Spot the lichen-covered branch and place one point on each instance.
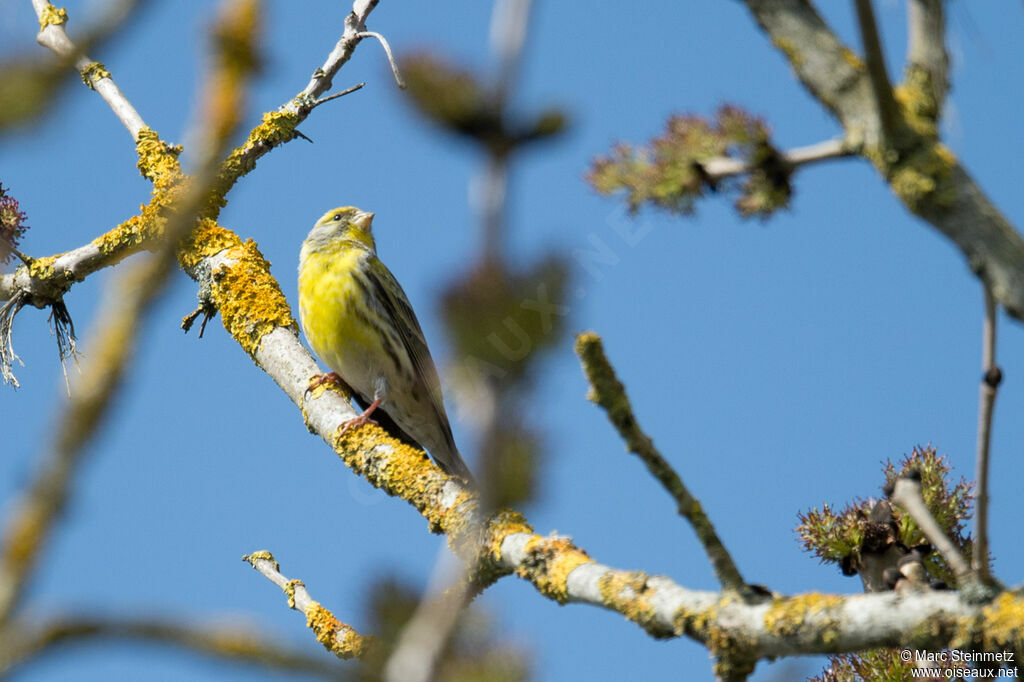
(123, 308)
(919, 169)
(30, 520)
(53, 36)
(257, 316)
(340, 639)
(926, 47)
(22, 642)
(607, 391)
(888, 115)
(49, 278)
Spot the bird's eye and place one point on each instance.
(337, 216)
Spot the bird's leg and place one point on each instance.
(328, 378)
(361, 419)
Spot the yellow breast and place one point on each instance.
(330, 304)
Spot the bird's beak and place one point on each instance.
(363, 220)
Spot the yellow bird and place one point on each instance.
(358, 320)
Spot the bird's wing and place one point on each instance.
(391, 295)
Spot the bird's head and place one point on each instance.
(346, 226)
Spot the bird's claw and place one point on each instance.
(321, 379)
(356, 422)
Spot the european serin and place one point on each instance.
(359, 322)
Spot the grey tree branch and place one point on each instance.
(922, 172)
(22, 642)
(399, 81)
(78, 263)
(121, 314)
(926, 45)
(340, 639)
(986, 404)
(54, 37)
(878, 75)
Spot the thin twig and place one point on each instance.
(888, 111)
(721, 167)
(22, 642)
(340, 639)
(387, 50)
(347, 91)
(986, 404)
(608, 392)
(907, 494)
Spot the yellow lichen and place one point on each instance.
(548, 564)
(788, 615)
(408, 468)
(627, 592)
(42, 268)
(504, 523)
(206, 240)
(289, 590)
(790, 50)
(250, 302)
(262, 555)
(158, 160)
(923, 180)
(52, 15)
(852, 59)
(696, 624)
(24, 533)
(275, 128)
(92, 72)
(999, 627)
(327, 629)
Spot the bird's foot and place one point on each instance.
(328, 378)
(356, 422)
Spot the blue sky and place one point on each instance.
(776, 365)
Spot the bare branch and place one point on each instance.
(53, 36)
(986, 404)
(722, 167)
(926, 45)
(424, 637)
(881, 86)
(828, 68)
(907, 494)
(608, 392)
(387, 50)
(23, 641)
(347, 91)
(340, 639)
(355, 23)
